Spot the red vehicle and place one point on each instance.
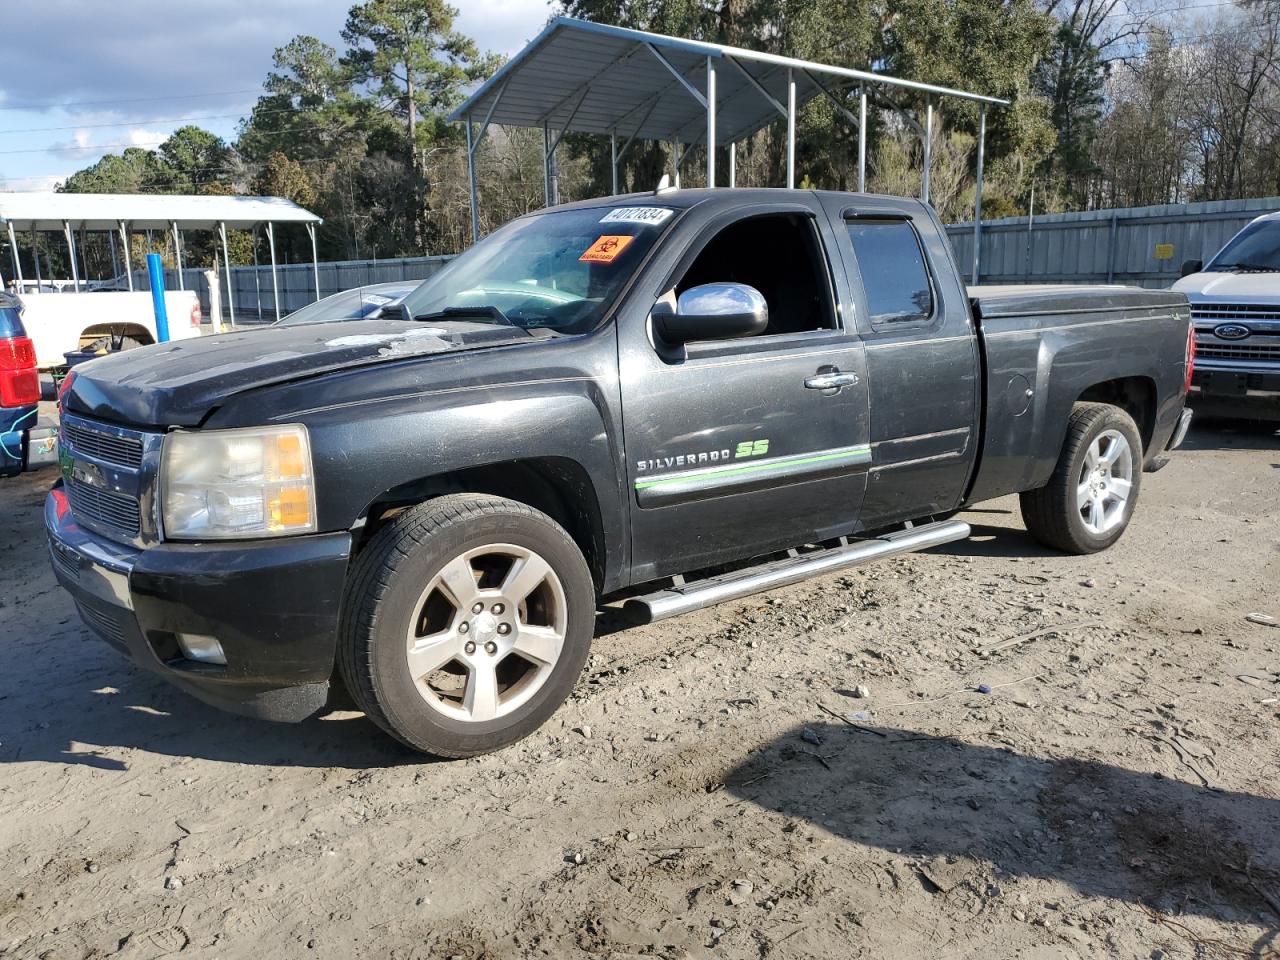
(19, 387)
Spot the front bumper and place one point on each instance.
(1220, 391)
(272, 604)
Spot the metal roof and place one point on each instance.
(152, 211)
(586, 77)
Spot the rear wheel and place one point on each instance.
(1089, 500)
(466, 623)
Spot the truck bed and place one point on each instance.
(1034, 300)
(1043, 346)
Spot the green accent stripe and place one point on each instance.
(857, 454)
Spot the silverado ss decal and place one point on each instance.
(747, 448)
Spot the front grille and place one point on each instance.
(66, 562)
(1226, 312)
(1217, 350)
(101, 445)
(105, 623)
(116, 510)
(108, 472)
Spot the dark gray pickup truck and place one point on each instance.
(679, 398)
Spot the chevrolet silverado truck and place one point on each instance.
(1235, 304)
(670, 399)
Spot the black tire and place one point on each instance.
(1051, 513)
(383, 597)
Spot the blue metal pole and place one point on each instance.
(155, 270)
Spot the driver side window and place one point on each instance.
(781, 255)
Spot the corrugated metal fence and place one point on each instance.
(254, 297)
(1143, 246)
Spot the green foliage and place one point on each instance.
(1071, 78)
(283, 177)
(134, 171)
(408, 54)
(191, 156)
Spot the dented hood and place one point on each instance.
(177, 384)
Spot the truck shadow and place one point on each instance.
(96, 723)
(987, 540)
(1213, 433)
(973, 816)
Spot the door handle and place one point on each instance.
(831, 381)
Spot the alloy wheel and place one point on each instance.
(487, 632)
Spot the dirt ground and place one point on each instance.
(715, 788)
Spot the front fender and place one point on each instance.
(383, 428)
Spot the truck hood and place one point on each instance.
(1237, 287)
(178, 384)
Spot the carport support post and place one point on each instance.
(546, 162)
(17, 263)
(257, 281)
(977, 194)
(733, 165)
(275, 281)
(315, 255)
(124, 245)
(471, 188)
(226, 263)
(862, 139)
(613, 162)
(928, 149)
(791, 129)
(177, 252)
(35, 257)
(71, 248)
(711, 123)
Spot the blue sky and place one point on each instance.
(81, 78)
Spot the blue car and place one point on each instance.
(19, 387)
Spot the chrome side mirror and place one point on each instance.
(714, 311)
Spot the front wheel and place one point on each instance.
(466, 623)
(1090, 498)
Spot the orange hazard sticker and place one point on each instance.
(606, 249)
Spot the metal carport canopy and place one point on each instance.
(120, 213)
(583, 77)
(105, 211)
(618, 77)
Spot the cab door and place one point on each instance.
(923, 376)
(740, 447)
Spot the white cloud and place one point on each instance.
(147, 52)
(150, 139)
(34, 184)
(502, 26)
(74, 148)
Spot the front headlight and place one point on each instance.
(236, 484)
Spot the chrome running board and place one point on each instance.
(687, 597)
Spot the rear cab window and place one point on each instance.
(895, 274)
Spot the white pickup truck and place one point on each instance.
(1235, 305)
(60, 323)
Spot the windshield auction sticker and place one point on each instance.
(606, 249)
(646, 215)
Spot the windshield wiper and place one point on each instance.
(454, 313)
(1262, 267)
